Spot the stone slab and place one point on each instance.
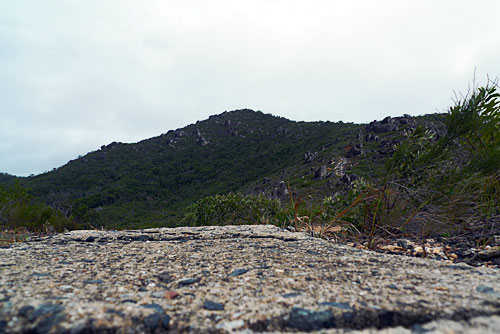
(246, 279)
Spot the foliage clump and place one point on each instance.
(19, 211)
(232, 209)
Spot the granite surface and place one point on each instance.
(246, 279)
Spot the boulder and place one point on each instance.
(321, 172)
(352, 151)
(381, 127)
(387, 120)
(199, 138)
(309, 156)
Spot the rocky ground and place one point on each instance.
(242, 279)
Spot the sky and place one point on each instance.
(75, 75)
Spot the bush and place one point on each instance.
(232, 209)
(18, 211)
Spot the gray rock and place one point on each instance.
(188, 281)
(307, 320)
(40, 274)
(93, 281)
(309, 157)
(403, 243)
(238, 272)
(426, 289)
(25, 310)
(165, 321)
(485, 289)
(213, 306)
(44, 309)
(379, 127)
(488, 254)
(349, 178)
(200, 140)
(342, 306)
(321, 172)
(387, 120)
(165, 277)
(46, 324)
(152, 321)
(352, 152)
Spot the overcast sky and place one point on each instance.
(75, 75)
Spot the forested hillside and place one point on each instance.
(151, 182)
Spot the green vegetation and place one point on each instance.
(433, 184)
(19, 211)
(151, 183)
(426, 175)
(232, 209)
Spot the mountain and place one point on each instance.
(151, 182)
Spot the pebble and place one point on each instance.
(93, 281)
(158, 294)
(171, 295)
(132, 301)
(165, 277)
(152, 321)
(307, 320)
(489, 254)
(189, 281)
(40, 275)
(485, 289)
(238, 272)
(87, 261)
(403, 243)
(213, 306)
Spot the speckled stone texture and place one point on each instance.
(245, 279)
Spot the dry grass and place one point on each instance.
(8, 237)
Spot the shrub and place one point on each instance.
(19, 211)
(232, 209)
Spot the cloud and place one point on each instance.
(79, 74)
